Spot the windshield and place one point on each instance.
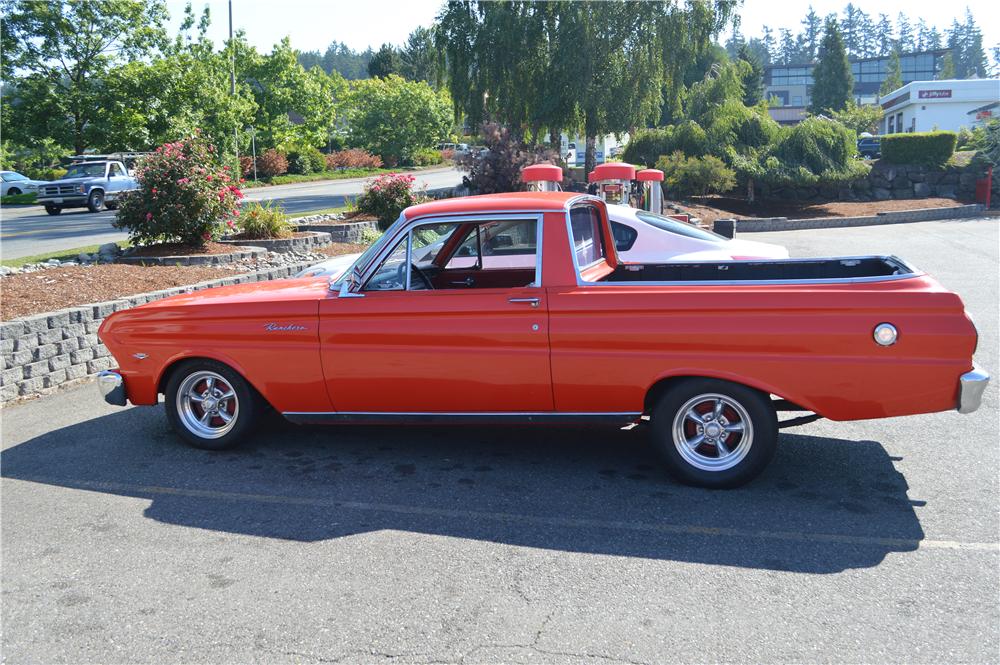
(680, 228)
(367, 255)
(85, 171)
(12, 177)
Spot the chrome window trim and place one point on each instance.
(410, 224)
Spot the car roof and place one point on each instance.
(508, 202)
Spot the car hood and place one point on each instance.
(278, 290)
(740, 248)
(73, 181)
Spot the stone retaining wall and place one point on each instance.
(283, 245)
(892, 181)
(900, 217)
(238, 254)
(40, 353)
(348, 232)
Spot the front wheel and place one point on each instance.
(713, 433)
(53, 210)
(210, 405)
(13, 191)
(95, 201)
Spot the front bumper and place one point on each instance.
(971, 386)
(112, 387)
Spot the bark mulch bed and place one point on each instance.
(710, 208)
(24, 294)
(339, 248)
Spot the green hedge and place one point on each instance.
(928, 148)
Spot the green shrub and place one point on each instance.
(690, 138)
(45, 173)
(386, 196)
(427, 157)
(695, 176)
(646, 146)
(262, 222)
(927, 148)
(369, 236)
(18, 199)
(741, 129)
(184, 195)
(817, 144)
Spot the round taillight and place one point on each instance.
(885, 334)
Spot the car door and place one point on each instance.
(117, 179)
(435, 330)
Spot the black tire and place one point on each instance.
(13, 191)
(218, 434)
(95, 201)
(744, 453)
(53, 210)
(111, 205)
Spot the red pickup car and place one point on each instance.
(523, 313)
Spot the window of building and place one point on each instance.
(891, 127)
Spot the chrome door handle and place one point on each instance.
(531, 301)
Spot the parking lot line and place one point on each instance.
(539, 520)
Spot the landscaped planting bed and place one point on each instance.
(58, 288)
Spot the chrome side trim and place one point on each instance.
(971, 386)
(112, 387)
(463, 418)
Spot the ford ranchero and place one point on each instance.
(524, 314)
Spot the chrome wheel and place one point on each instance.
(207, 404)
(712, 432)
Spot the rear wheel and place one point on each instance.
(210, 405)
(714, 433)
(95, 201)
(53, 210)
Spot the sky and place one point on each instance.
(313, 24)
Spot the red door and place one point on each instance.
(480, 350)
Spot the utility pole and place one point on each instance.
(232, 86)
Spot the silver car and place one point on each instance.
(13, 183)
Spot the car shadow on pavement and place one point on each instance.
(824, 505)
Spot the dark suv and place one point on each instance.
(870, 147)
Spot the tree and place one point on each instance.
(419, 59)
(850, 28)
(893, 75)
(788, 53)
(904, 34)
(767, 40)
(393, 118)
(753, 78)
(860, 118)
(832, 79)
(294, 106)
(947, 67)
(812, 29)
(883, 36)
(385, 62)
(65, 50)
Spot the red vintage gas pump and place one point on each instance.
(651, 190)
(614, 182)
(542, 177)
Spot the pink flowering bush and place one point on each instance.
(184, 196)
(386, 196)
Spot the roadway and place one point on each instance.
(28, 230)
(871, 541)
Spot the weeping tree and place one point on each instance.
(604, 66)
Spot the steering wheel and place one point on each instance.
(401, 276)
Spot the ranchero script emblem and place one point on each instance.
(277, 327)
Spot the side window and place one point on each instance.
(588, 244)
(391, 275)
(113, 171)
(509, 244)
(624, 236)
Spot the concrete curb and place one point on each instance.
(42, 353)
(898, 217)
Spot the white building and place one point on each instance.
(924, 106)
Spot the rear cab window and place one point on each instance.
(590, 253)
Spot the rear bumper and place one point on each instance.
(971, 386)
(112, 387)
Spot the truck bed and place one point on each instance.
(853, 268)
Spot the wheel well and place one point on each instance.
(663, 385)
(169, 370)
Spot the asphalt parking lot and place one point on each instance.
(871, 541)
